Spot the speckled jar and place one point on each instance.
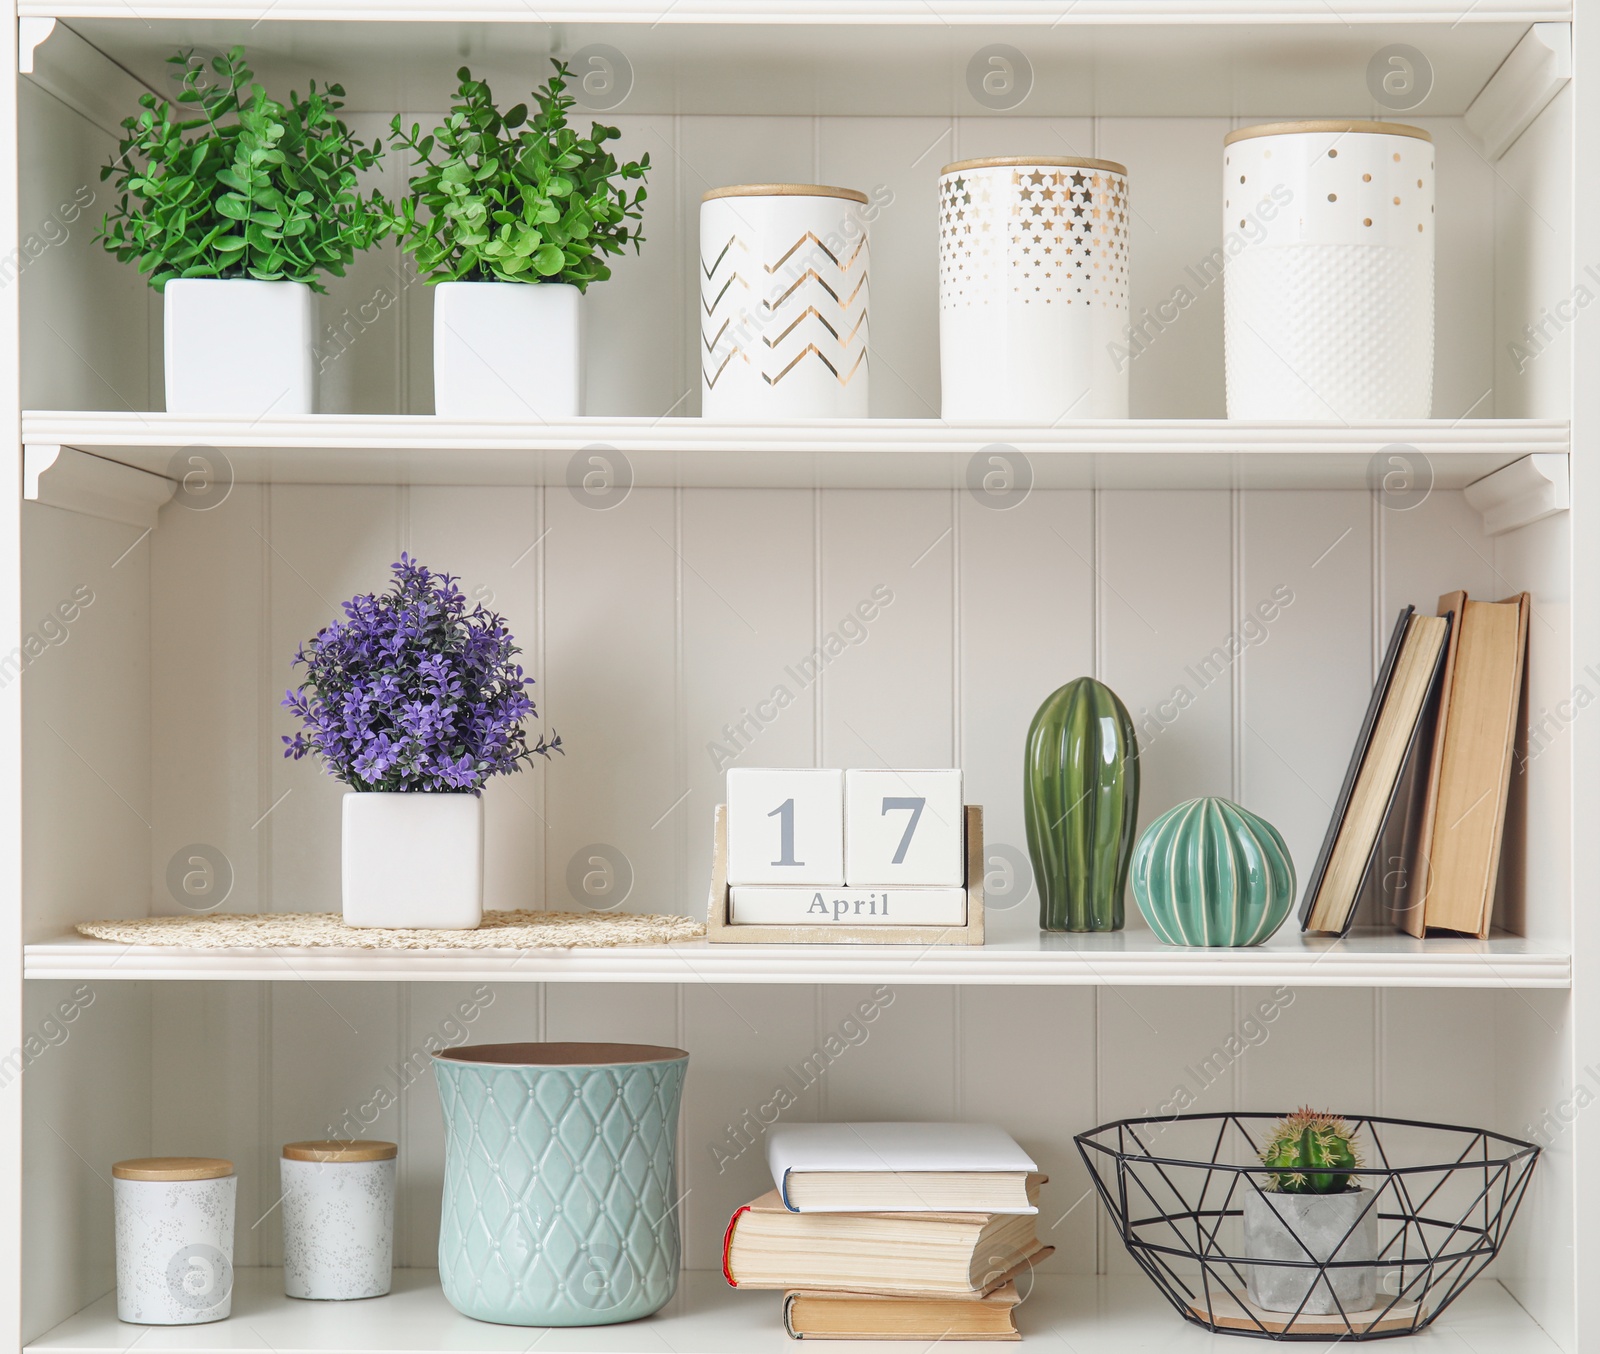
(1328, 261)
(338, 1219)
(174, 1225)
(560, 1181)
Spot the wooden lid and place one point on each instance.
(334, 1149)
(173, 1168)
(1044, 161)
(783, 190)
(1329, 125)
(561, 1055)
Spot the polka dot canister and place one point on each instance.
(1328, 263)
(1033, 289)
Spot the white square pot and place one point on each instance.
(237, 346)
(413, 860)
(507, 350)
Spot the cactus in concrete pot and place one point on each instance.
(1311, 1220)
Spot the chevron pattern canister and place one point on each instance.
(783, 302)
(560, 1181)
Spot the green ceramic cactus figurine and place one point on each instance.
(1313, 1154)
(1081, 803)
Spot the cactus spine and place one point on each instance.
(1081, 803)
(1312, 1153)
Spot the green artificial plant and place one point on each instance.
(1312, 1153)
(233, 184)
(517, 196)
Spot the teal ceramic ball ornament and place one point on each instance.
(1211, 873)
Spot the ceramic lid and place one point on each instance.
(173, 1168)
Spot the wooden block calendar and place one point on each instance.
(721, 929)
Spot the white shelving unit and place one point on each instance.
(1108, 1316)
(660, 621)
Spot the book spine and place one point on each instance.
(727, 1244)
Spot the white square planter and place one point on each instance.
(237, 346)
(413, 860)
(507, 350)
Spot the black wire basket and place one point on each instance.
(1196, 1209)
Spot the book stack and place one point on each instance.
(1421, 814)
(891, 1231)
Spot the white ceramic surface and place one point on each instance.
(508, 350)
(413, 860)
(338, 1228)
(1033, 291)
(783, 307)
(1328, 240)
(237, 346)
(174, 1250)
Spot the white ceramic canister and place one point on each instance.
(1327, 256)
(783, 302)
(338, 1219)
(174, 1225)
(1033, 289)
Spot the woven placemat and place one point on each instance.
(323, 930)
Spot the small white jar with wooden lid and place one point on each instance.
(338, 1219)
(174, 1226)
(783, 302)
(1328, 258)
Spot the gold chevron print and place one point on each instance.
(722, 254)
(717, 299)
(812, 350)
(711, 381)
(811, 275)
(812, 310)
(789, 253)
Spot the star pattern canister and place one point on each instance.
(1033, 289)
(1328, 271)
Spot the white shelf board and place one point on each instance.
(1124, 958)
(865, 453)
(1268, 59)
(1084, 1315)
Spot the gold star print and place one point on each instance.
(1078, 179)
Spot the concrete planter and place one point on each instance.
(1285, 1227)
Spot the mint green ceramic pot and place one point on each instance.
(560, 1181)
(1211, 873)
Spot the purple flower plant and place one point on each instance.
(414, 692)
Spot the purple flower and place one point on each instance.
(411, 691)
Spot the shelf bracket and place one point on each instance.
(1525, 491)
(1537, 69)
(30, 34)
(64, 477)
